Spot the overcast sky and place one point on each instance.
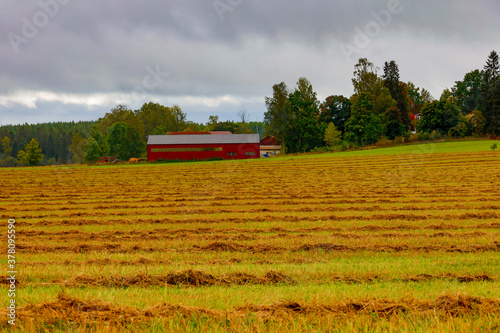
(65, 60)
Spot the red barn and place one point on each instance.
(203, 146)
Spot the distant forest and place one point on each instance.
(121, 133)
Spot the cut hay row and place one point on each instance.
(191, 278)
(263, 248)
(69, 309)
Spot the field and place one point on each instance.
(401, 241)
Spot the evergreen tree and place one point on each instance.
(491, 91)
(397, 90)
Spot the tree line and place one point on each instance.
(121, 133)
(383, 107)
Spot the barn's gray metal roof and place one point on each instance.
(200, 139)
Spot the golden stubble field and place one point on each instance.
(379, 243)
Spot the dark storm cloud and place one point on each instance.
(236, 48)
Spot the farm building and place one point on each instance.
(269, 146)
(203, 146)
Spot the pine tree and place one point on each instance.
(397, 89)
(491, 92)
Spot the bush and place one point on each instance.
(411, 138)
(384, 143)
(399, 140)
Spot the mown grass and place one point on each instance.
(405, 223)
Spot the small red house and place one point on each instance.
(203, 146)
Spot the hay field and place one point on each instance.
(350, 243)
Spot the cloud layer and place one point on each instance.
(72, 60)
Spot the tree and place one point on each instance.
(332, 135)
(366, 79)
(31, 155)
(160, 130)
(446, 96)
(7, 149)
(77, 148)
(439, 116)
(364, 127)
(305, 131)
(398, 90)
(491, 93)
(384, 101)
(152, 115)
(92, 151)
(393, 125)
(117, 136)
(278, 115)
(124, 141)
(336, 110)
(468, 93)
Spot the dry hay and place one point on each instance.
(185, 278)
(70, 309)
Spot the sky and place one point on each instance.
(72, 60)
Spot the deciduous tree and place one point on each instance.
(31, 155)
(364, 127)
(7, 149)
(337, 110)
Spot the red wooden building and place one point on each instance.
(203, 146)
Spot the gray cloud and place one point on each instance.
(105, 48)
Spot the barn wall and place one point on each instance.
(189, 152)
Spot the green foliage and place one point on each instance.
(417, 96)
(438, 116)
(124, 141)
(332, 135)
(32, 154)
(393, 125)
(366, 79)
(337, 110)
(7, 149)
(468, 93)
(446, 95)
(92, 151)
(384, 101)
(364, 127)
(8, 161)
(279, 114)
(152, 115)
(494, 146)
(305, 132)
(77, 148)
(160, 130)
(398, 90)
